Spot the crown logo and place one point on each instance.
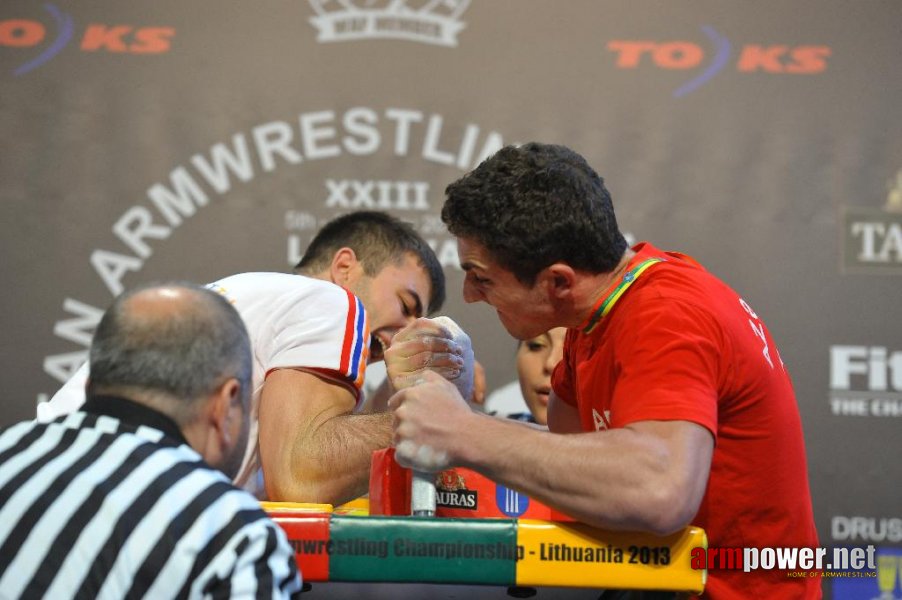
(427, 21)
(450, 481)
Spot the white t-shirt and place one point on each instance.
(293, 322)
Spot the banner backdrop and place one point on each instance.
(169, 139)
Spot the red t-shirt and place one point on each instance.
(679, 344)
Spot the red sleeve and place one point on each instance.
(668, 354)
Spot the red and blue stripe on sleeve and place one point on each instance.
(355, 345)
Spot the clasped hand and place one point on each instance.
(431, 372)
(422, 345)
(427, 419)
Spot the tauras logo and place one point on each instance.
(427, 21)
(451, 491)
(872, 238)
(456, 499)
(865, 381)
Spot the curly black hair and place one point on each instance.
(534, 205)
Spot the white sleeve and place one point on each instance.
(325, 330)
(67, 400)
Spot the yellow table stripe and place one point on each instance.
(576, 555)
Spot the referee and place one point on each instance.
(131, 496)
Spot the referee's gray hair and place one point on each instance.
(173, 357)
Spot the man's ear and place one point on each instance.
(223, 409)
(558, 279)
(344, 267)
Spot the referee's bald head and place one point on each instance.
(169, 345)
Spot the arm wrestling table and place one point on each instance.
(374, 540)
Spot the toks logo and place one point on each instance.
(96, 37)
(752, 58)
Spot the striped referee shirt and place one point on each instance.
(111, 502)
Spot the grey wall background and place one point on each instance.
(165, 139)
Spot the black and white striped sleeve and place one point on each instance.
(238, 553)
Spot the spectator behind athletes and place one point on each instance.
(364, 276)
(536, 359)
(661, 360)
(527, 398)
(125, 497)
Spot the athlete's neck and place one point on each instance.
(596, 286)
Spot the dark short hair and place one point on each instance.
(378, 239)
(533, 205)
(181, 356)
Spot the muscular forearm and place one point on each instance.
(331, 462)
(648, 476)
(617, 479)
